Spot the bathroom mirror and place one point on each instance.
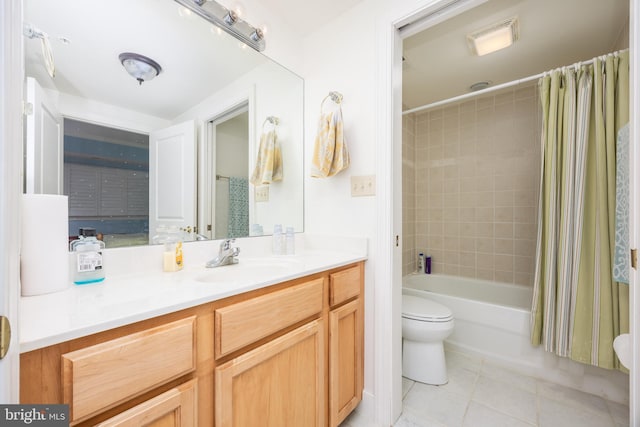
(198, 122)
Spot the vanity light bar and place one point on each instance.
(227, 20)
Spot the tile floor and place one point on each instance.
(480, 394)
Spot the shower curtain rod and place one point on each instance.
(501, 86)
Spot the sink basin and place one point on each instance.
(248, 270)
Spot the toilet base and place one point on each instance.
(424, 362)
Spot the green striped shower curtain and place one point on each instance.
(577, 308)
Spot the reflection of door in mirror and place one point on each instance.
(43, 143)
(106, 176)
(230, 133)
(172, 178)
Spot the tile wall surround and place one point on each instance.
(470, 186)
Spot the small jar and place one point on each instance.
(89, 262)
(172, 254)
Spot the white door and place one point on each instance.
(44, 143)
(172, 177)
(11, 96)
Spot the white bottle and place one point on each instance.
(276, 245)
(420, 262)
(290, 241)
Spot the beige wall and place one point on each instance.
(472, 201)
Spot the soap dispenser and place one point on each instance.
(89, 263)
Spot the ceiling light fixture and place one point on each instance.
(257, 35)
(227, 20)
(494, 37)
(230, 18)
(139, 67)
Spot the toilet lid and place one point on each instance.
(423, 309)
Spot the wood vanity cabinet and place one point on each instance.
(346, 342)
(173, 408)
(280, 383)
(290, 354)
(157, 372)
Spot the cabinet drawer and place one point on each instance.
(344, 285)
(176, 407)
(101, 376)
(243, 323)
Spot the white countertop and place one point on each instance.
(136, 289)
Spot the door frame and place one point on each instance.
(634, 208)
(388, 267)
(211, 171)
(11, 146)
(207, 153)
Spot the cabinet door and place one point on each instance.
(345, 360)
(173, 408)
(280, 383)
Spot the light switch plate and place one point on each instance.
(364, 185)
(262, 193)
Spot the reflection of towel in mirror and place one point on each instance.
(268, 167)
(330, 154)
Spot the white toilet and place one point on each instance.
(425, 325)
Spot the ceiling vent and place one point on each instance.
(494, 37)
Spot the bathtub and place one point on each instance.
(492, 322)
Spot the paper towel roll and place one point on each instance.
(44, 259)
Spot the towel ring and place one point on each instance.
(271, 119)
(335, 97)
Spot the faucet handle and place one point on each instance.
(226, 244)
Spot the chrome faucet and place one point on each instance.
(226, 255)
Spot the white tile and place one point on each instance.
(497, 373)
(554, 414)
(435, 403)
(462, 381)
(481, 416)
(506, 398)
(572, 397)
(619, 412)
(356, 419)
(456, 360)
(406, 386)
(410, 419)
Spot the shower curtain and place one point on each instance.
(578, 309)
(238, 225)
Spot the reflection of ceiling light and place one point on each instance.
(140, 67)
(230, 21)
(493, 38)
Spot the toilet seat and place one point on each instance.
(424, 310)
